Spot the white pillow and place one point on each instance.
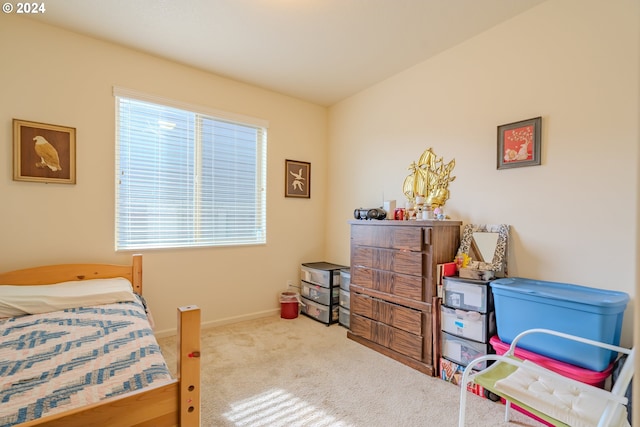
(19, 300)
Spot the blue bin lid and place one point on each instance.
(562, 292)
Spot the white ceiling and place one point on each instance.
(321, 51)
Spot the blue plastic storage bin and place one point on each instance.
(597, 314)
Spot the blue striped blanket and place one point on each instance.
(53, 362)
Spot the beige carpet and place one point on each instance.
(298, 372)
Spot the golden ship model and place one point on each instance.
(429, 180)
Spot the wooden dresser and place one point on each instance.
(394, 305)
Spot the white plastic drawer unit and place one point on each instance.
(467, 294)
(345, 299)
(319, 311)
(463, 351)
(468, 324)
(344, 317)
(321, 273)
(345, 279)
(319, 294)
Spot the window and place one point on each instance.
(186, 177)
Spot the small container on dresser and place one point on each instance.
(467, 319)
(320, 290)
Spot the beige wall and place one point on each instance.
(54, 76)
(574, 218)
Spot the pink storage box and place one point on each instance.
(594, 378)
(586, 376)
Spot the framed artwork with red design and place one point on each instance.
(519, 143)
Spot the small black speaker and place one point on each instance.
(374, 213)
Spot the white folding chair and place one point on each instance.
(557, 399)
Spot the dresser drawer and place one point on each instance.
(395, 339)
(404, 262)
(395, 315)
(405, 238)
(361, 326)
(401, 285)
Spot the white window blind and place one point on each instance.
(187, 178)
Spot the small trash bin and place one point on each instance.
(289, 305)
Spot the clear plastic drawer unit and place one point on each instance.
(467, 294)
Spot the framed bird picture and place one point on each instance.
(297, 180)
(44, 152)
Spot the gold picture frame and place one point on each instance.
(43, 152)
(297, 179)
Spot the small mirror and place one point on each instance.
(483, 246)
(486, 245)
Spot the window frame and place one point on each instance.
(198, 212)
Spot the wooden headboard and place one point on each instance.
(50, 274)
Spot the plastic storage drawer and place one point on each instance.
(468, 324)
(319, 294)
(344, 316)
(467, 294)
(345, 279)
(321, 273)
(319, 311)
(463, 351)
(345, 299)
(592, 313)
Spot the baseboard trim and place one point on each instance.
(221, 322)
(242, 318)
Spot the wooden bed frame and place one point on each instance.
(173, 404)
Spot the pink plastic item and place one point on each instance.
(586, 376)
